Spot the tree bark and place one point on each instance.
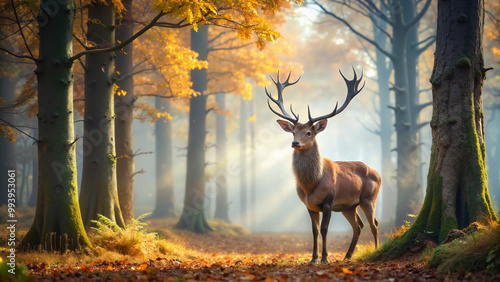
(98, 193)
(193, 212)
(221, 204)
(58, 224)
(165, 205)
(457, 193)
(124, 108)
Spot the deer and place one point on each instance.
(324, 185)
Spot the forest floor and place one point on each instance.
(233, 257)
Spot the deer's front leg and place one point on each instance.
(315, 225)
(327, 212)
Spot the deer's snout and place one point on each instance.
(295, 144)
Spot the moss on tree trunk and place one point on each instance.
(58, 224)
(457, 192)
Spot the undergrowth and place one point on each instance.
(133, 240)
(369, 253)
(477, 251)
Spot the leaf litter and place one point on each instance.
(253, 257)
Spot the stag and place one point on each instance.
(323, 185)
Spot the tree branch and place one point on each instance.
(20, 29)
(419, 16)
(427, 45)
(121, 45)
(355, 31)
(16, 128)
(19, 56)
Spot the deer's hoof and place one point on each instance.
(324, 260)
(314, 261)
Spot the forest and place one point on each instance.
(152, 140)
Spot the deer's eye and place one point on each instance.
(308, 133)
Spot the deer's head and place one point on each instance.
(304, 134)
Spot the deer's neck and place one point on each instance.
(308, 168)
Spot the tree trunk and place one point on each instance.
(193, 212)
(98, 192)
(253, 169)
(243, 164)
(221, 204)
(7, 149)
(165, 205)
(58, 224)
(412, 54)
(457, 193)
(124, 108)
(34, 181)
(408, 159)
(386, 130)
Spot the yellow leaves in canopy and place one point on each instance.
(8, 132)
(163, 115)
(5, 129)
(243, 16)
(170, 61)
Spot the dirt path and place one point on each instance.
(266, 257)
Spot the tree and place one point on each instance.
(457, 192)
(193, 212)
(57, 224)
(7, 137)
(99, 193)
(221, 202)
(165, 204)
(124, 107)
(243, 163)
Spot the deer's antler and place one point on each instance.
(352, 91)
(279, 102)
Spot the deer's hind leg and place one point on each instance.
(357, 224)
(369, 209)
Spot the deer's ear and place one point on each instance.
(320, 125)
(287, 126)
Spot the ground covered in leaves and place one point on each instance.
(233, 256)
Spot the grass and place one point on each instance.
(477, 251)
(368, 252)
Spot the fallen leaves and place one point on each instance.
(269, 266)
